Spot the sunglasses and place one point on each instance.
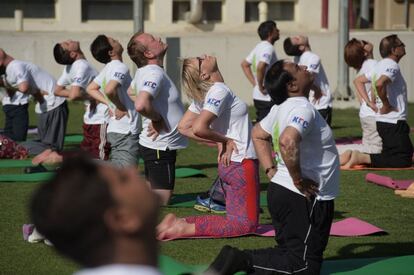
(200, 60)
(400, 45)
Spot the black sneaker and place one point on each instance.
(229, 261)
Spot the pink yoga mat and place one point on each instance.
(388, 182)
(349, 227)
(353, 227)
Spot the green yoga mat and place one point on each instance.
(379, 266)
(188, 172)
(15, 163)
(188, 200)
(73, 138)
(35, 177)
(179, 173)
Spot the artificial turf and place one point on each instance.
(369, 202)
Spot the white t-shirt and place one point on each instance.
(367, 66)
(396, 90)
(263, 52)
(81, 73)
(232, 118)
(119, 269)
(118, 71)
(319, 159)
(17, 99)
(314, 65)
(20, 71)
(166, 101)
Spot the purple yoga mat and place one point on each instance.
(349, 227)
(388, 182)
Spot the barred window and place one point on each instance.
(30, 8)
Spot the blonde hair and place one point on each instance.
(194, 87)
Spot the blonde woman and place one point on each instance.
(218, 115)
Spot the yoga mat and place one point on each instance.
(26, 177)
(402, 265)
(348, 140)
(15, 163)
(388, 182)
(73, 138)
(365, 167)
(188, 172)
(352, 227)
(179, 173)
(188, 200)
(349, 227)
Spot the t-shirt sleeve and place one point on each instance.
(265, 55)
(150, 82)
(64, 79)
(313, 64)
(195, 107)
(81, 77)
(301, 119)
(99, 78)
(216, 100)
(268, 122)
(20, 75)
(390, 70)
(250, 57)
(119, 74)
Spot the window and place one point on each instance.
(30, 8)
(212, 11)
(277, 10)
(110, 10)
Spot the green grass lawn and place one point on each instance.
(371, 203)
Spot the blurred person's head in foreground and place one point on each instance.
(97, 214)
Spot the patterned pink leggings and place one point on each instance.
(242, 202)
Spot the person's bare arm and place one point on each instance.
(263, 146)
(260, 75)
(381, 87)
(359, 83)
(185, 127)
(111, 90)
(289, 143)
(71, 93)
(201, 128)
(93, 91)
(246, 67)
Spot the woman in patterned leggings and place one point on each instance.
(218, 115)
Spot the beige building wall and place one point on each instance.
(390, 15)
(229, 49)
(68, 18)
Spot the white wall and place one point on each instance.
(229, 48)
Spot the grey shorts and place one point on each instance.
(124, 149)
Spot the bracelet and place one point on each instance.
(270, 168)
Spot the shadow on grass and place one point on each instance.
(363, 258)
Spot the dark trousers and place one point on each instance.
(262, 108)
(326, 114)
(397, 149)
(16, 121)
(52, 129)
(302, 232)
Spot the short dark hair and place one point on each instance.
(100, 48)
(265, 29)
(354, 54)
(290, 48)
(276, 81)
(61, 55)
(387, 44)
(69, 211)
(136, 51)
